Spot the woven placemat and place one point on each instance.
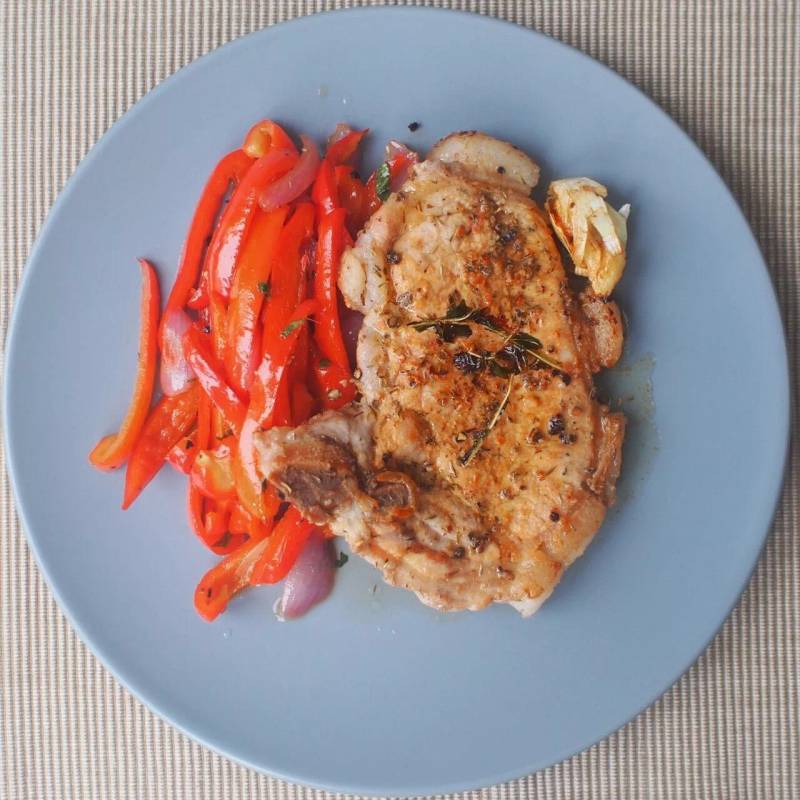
(728, 73)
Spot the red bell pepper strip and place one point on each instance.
(324, 192)
(263, 396)
(264, 136)
(215, 523)
(242, 522)
(221, 539)
(222, 582)
(218, 325)
(171, 419)
(230, 170)
(239, 521)
(352, 194)
(196, 508)
(282, 416)
(112, 451)
(212, 472)
(344, 151)
(250, 287)
(334, 386)
(209, 371)
(285, 283)
(302, 403)
(182, 455)
(226, 243)
(283, 547)
(249, 489)
(274, 363)
(397, 166)
(298, 368)
(211, 524)
(219, 427)
(202, 435)
(330, 245)
(198, 298)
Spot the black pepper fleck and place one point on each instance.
(506, 234)
(478, 542)
(555, 424)
(392, 257)
(189, 444)
(501, 170)
(414, 126)
(555, 516)
(459, 552)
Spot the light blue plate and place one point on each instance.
(373, 692)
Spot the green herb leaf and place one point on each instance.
(264, 287)
(485, 321)
(525, 341)
(459, 312)
(449, 332)
(498, 370)
(383, 182)
(341, 560)
(292, 326)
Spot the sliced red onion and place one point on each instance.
(339, 132)
(175, 370)
(295, 181)
(310, 580)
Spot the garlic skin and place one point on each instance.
(594, 233)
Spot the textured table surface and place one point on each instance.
(728, 72)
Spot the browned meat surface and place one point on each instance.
(465, 476)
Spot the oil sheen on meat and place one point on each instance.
(391, 473)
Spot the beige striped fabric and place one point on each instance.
(727, 71)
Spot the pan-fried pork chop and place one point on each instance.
(477, 464)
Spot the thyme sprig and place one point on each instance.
(478, 437)
(453, 325)
(511, 359)
(519, 350)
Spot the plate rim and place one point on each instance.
(410, 789)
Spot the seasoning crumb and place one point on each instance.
(414, 126)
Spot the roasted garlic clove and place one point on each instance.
(592, 231)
